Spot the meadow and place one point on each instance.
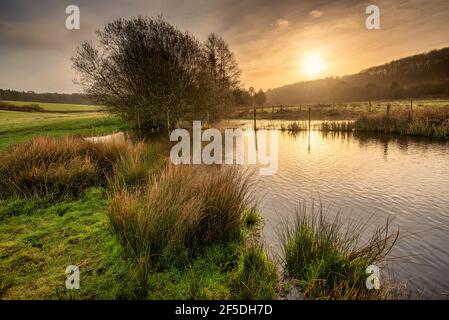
(336, 111)
(16, 127)
(54, 106)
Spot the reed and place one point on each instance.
(432, 123)
(179, 212)
(327, 257)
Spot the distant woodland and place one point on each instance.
(419, 76)
(75, 98)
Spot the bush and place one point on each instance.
(326, 257)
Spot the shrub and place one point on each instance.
(326, 257)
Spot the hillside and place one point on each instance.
(418, 76)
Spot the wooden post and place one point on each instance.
(388, 110)
(255, 123)
(310, 118)
(411, 105)
(369, 106)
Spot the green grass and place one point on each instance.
(37, 244)
(18, 127)
(196, 221)
(55, 106)
(38, 240)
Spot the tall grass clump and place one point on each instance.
(256, 276)
(337, 126)
(327, 257)
(134, 166)
(427, 122)
(179, 212)
(57, 167)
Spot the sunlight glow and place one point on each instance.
(313, 64)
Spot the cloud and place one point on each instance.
(281, 23)
(316, 14)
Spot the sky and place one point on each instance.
(275, 42)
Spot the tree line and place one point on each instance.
(31, 96)
(151, 74)
(419, 76)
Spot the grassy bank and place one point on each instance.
(135, 229)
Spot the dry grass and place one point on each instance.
(178, 213)
(57, 167)
(433, 123)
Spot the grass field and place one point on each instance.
(55, 106)
(17, 127)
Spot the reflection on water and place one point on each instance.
(369, 177)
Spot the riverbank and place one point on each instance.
(68, 210)
(125, 217)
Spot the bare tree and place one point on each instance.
(145, 70)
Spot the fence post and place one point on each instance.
(255, 124)
(388, 110)
(310, 118)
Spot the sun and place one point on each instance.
(313, 65)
